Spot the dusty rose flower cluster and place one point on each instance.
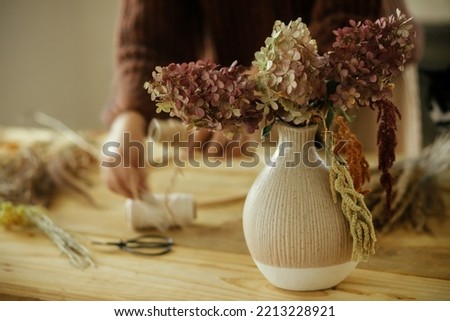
(366, 56)
(296, 85)
(206, 96)
(292, 81)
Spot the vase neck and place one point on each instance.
(297, 135)
(298, 143)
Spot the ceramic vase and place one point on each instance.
(297, 236)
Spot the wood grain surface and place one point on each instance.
(210, 260)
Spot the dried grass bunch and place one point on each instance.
(29, 177)
(31, 173)
(420, 192)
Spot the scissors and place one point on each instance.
(148, 244)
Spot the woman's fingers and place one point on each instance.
(130, 182)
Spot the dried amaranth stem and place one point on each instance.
(355, 211)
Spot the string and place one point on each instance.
(170, 215)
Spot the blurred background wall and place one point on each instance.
(56, 55)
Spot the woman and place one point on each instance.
(155, 32)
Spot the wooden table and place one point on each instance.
(210, 260)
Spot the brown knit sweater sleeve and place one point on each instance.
(149, 33)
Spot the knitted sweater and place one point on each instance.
(154, 33)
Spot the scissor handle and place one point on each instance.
(148, 244)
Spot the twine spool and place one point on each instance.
(165, 130)
(162, 211)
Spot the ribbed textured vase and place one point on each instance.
(296, 235)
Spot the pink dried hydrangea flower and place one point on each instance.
(292, 82)
(204, 96)
(296, 85)
(366, 57)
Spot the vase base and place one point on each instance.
(308, 279)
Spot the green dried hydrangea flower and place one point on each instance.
(288, 72)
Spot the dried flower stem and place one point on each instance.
(66, 132)
(355, 211)
(387, 141)
(35, 215)
(420, 191)
(356, 162)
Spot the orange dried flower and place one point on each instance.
(356, 162)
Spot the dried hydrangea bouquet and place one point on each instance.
(305, 222)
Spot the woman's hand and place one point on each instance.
(123, 156)
(124, 159)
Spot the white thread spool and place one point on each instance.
(165, 130)
(161, 211)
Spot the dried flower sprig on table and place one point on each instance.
(24, 215)
(296, 85)
(24, 175)
(30, 173)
